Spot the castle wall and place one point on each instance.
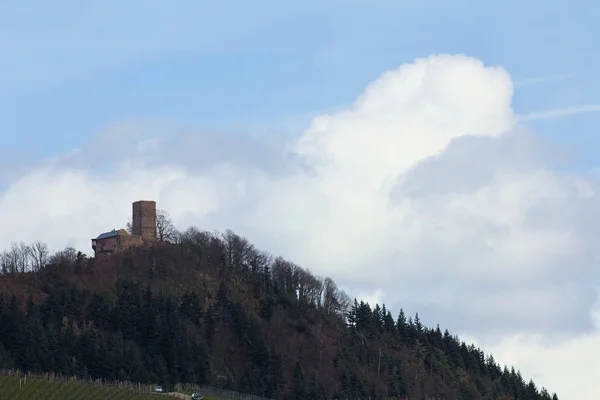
(144, 220)
(110, 244)
(127, 241)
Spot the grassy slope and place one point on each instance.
(13, 387)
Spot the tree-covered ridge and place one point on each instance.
(210, 308)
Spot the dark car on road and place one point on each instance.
(197, 396)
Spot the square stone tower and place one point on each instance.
(144, 220)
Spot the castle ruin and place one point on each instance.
(143, 231)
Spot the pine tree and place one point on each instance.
(377, 319)
(418, 325)
(209, 324)
(298, 386)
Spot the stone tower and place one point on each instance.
(144, 220)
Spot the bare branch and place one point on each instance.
(68, 256)
(165, 229)
(39, 254)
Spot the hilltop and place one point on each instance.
(210, 308)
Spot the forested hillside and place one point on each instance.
(212, 309)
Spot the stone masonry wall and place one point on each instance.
(144, 220)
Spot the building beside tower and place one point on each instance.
(143, 231)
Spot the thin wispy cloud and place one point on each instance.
(542, 79)
(560, 112)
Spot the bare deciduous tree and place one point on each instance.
(165, 228)
(195, 237)
(19, 257)
(309, 287)
(344, 302)
(259, 260)
(9, 265)
(319, 333)
(39, 254)
(68, 256)
(239, 250)
(6, 266)
(330, 292)
(334, 300)
(129, 226)
(282, 273)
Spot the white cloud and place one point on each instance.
(569, 367)
(425, 193)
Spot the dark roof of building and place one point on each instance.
(106, 235)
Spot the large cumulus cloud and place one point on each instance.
(424, 193)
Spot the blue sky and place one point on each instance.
(69, 69)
